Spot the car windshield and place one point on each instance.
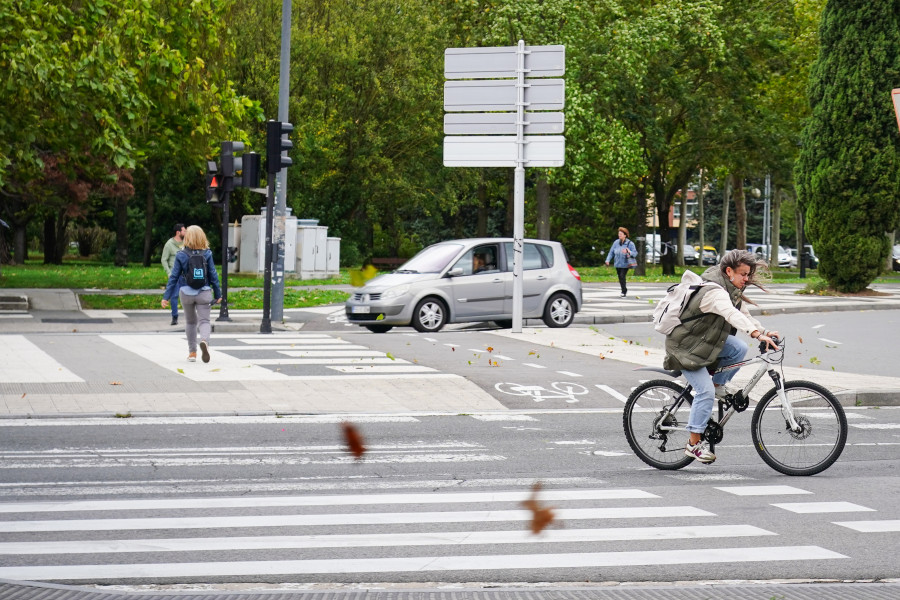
(432, 259)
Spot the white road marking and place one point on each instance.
(827, 341)
(876, 425)
(388, 369)
(569, 374)
(307, 346)
(614, 393)
(331, 500)
(888, 526)
(822, 507)
(763, 490)
(378, 540)
(233, 521)
(207, 420)
(503, 417)
(23, 362)
(421, 563)
(535, 366)
(364, 360)
(331, 353)
(306, 338)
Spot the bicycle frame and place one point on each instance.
(735, 403)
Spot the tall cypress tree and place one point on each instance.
(848, 169)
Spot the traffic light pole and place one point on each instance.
(266, 324)
(223, 308)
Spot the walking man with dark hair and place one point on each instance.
(173, 245)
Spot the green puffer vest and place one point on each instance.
(698, 342)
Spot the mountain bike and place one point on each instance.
(798, 427)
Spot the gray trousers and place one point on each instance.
(196, 314)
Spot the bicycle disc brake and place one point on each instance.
(805, 428)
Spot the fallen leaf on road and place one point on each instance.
(115, 383)
(353, 439)
(541, 515)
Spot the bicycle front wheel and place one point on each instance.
(654, 429)
(820, 439)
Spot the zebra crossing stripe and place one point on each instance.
(327, 500)
(822, 507)
(379, 540)
(887, 526)
(421, 563)
(234, 522)
(21, 361)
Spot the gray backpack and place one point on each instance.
(667, 314)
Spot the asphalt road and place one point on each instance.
(268, 499)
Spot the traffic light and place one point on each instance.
(251, 163)
(275, 145)
(231, 164)
(213, 182)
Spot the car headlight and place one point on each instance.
(395, 292)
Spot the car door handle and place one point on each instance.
(497, 280)
(541, 278)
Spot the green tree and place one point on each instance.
(848, 172)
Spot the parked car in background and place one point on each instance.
(783, 257)
(710, 255)
(896, 257)
(794, 257)
(469, 280)
(812, 259)
(691, 257)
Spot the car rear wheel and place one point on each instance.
(560, 311)
(379, 328)
(430, 315)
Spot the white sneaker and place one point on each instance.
(725, 390)
(700, 452)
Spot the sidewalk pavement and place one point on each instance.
(55, 311)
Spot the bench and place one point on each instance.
(389, 263)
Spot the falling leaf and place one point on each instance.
(800, 338)
(541, 516)
(602, 357)
(390, 356)
(379, 318)
(180, 371)
(23, 395)
(490, 349)
(115, 383)
(469, 361)
(353, 440)
(217, 370)
(815, 361)
(452, 349)
(646, 353)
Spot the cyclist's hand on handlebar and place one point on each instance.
(768, 341)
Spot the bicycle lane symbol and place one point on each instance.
(558, 390)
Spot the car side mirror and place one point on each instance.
(455, 272)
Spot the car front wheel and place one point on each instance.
(430, 315)
(559, 312)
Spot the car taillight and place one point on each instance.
(574, 272)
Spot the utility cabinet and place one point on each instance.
(312, 251)
(333, 256)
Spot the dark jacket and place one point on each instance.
(180, 266)
(697, 342)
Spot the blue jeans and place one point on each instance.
(175, 300)
(703, 383)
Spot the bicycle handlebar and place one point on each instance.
(777, 341)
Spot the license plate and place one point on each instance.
(360, 309)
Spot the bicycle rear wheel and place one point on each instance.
(822, 435)
(657, 436)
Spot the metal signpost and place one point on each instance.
(487, 124)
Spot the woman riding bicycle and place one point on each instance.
(705, 340)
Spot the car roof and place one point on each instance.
(492, 240)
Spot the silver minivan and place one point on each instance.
(469, 280)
